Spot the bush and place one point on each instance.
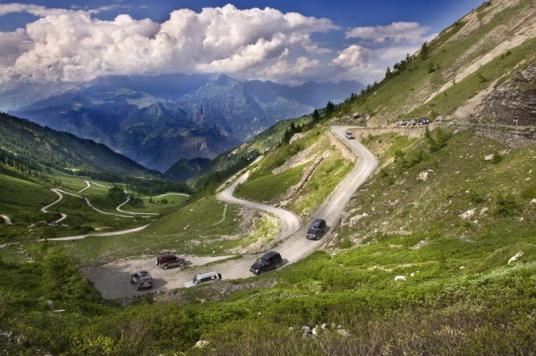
(506, 206)
(116, 195)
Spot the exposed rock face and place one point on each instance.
(512, 102)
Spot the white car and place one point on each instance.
(203, 278)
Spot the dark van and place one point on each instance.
(267, 262)
(317, 229)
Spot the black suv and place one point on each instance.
(268, 261)
(167, 261)
(317, 229)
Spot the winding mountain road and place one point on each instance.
(113, 282)
(118, 208)
(63, 216)
(290, 223)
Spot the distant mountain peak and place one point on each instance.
(225, 80)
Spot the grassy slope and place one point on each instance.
(459, 179)
(270, 187)
(23, 197)
(462, 297)
(452, 98)
(263, 185)
(486, 307)
(61, 151)
(329, 173)
(197, 228)
(404, 94)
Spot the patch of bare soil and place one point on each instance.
(304, 156)
(113, 279)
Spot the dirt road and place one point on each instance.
(110, 279)
(289, 221)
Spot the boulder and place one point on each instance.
(343, 332)
(201, 344)
(515, 257)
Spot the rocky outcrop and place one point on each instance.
(513, 102)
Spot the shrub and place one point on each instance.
(506, 206)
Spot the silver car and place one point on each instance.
(203, 278)
(142, 280)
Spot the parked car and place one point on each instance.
(203, 278)
(317, 229)
(266, 262)
(169, 261)
(349, 135)
(142, 280)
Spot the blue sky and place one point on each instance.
(332, 39)
(434, 13)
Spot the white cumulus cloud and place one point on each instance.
(75, 45)
(395, 32)
(69, 45)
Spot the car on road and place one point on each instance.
(267, 262)
(170, 261)
(317, 229)
(203, 278)
(349, 135)
(142, 280)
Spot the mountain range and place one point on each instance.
(158, 120)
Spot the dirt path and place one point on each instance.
(112, 280)
(289, 221)
(97, 234)
(168, 194)
(222, 218)
(131, 212)
(88, 185)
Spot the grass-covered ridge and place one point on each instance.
(405, 90)
(311, 157)
(429, 187)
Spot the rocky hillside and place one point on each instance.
(493, 47)
(511, 102)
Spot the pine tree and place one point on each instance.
(316, 116)
(424, 50)
(330, 108)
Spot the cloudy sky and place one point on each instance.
(288, 41)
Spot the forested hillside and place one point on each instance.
(40, 148)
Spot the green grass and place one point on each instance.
(385, 146)
(321, 184)
(458, 180)
(156, 204)
(21, 200)
(81, 219)
(459, 93)
(459, 296)
(270, 187)
(407, 91)
(191, 229)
